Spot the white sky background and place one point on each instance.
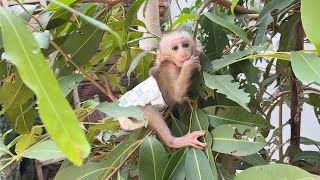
(309, 126)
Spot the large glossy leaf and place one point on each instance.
(115, 156)
(224, 85)
(234, 28)
(216, 40)
(254, 159)
(22, 118)
(197, 166)
(229, 59)
(175, 167)
(200, 122)
(69, 83)
(152, 159)
(113, 110)
(309, 11)
(274, 171)
(308, 141)
(219, 115)
(274, 5)
(43, 151)
(237, 140)
(82, 44)
(19, 93)
(54, 109)
(306, 66)
(88, 171)
(308, 156)
(90, 20)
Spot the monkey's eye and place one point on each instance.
(185, 45)
(174, 47)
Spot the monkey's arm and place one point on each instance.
(157, 123)
(183, 82)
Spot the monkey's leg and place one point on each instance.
(156, 122)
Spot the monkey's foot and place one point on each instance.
(190, 139)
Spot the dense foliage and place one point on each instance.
(48, 51)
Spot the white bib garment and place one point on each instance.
(147, 92)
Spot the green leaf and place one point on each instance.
(230, 59)
(182, 19)
(233, 5)
(308, 156)
(274, 171)
(117, 25)
(308, 141)
(3, 149)
(26, 140)
(69, 83)
(58, 18)
(309, 11)
(152, 159)
(254, 159)
(83, 43)
(43, 39)
(106, 125)
(19, 11)
(53, 6)
(261, 36)
(21, 119)
(131, 14)
(219, 115)
(54, 109)
(314, 99)
(200, 122)
(232, 27)
(115, 156)
(87, 171)
(224, 85)
(43, 151)
(197, 166)
(216, 40)
(251, 75)
(114, 110)
(92, 21)
(19, 93)
(273, 5)
(135, 63)
(237, 140)
(306, 66)
(175, 167)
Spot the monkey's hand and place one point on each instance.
(190, 139)
(192, 64)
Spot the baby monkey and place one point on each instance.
(177, 59)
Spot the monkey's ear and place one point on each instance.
(197, 51)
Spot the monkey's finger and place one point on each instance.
(196, 146)
(197, 134)
(198, 143)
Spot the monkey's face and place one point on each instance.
(179, 50)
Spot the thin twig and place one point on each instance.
(106, 83)
(37, 20)
(90, 78)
